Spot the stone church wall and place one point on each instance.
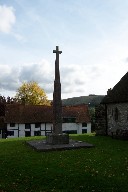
(119, 120)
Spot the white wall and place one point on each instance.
(88, 128)
(76, 126)
(46, 127)
(0, 134)
(12, 129)
(22, 130)
(69, 126)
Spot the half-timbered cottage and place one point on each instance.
(34, 120)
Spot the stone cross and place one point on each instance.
(57, 52)
(57, 137)
(57, 103)
(57, 72)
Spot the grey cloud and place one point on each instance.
(67, 70)
(48, 88)
(41, 73)
(78, 81)
(67, 89)
(12, 78)
(36, 73)
(9, 79)
(81, 90)
(73, 78)
(95, 71)
(70, 88)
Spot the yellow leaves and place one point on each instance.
(32, 93)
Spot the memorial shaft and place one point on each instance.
(57, 103)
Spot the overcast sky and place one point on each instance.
(92, 35)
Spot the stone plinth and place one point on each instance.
(57, 139)
(41, 145)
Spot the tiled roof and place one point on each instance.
(28, 113)
(79, 111)
(119, 93)
(37, 113)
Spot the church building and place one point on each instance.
(114, 108)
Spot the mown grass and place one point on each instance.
(103, 168)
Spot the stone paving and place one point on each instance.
(41, 145)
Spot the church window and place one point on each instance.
(116, 114)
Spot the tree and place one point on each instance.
(31, 93)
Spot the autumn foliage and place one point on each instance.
(32, 93)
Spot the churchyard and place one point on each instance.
(103, 168)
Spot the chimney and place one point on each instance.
(109, 90)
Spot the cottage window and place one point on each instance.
(37, 125)
(37, 133)
(12, 124)
(84, 124)
(70, 131)
(27, 134)
(47, 132)
(116, 114)
(69, 120)
(10, 133)
(27, 126)
(84, 131)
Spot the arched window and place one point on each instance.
(116, 114)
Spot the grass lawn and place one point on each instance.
(103, 168)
